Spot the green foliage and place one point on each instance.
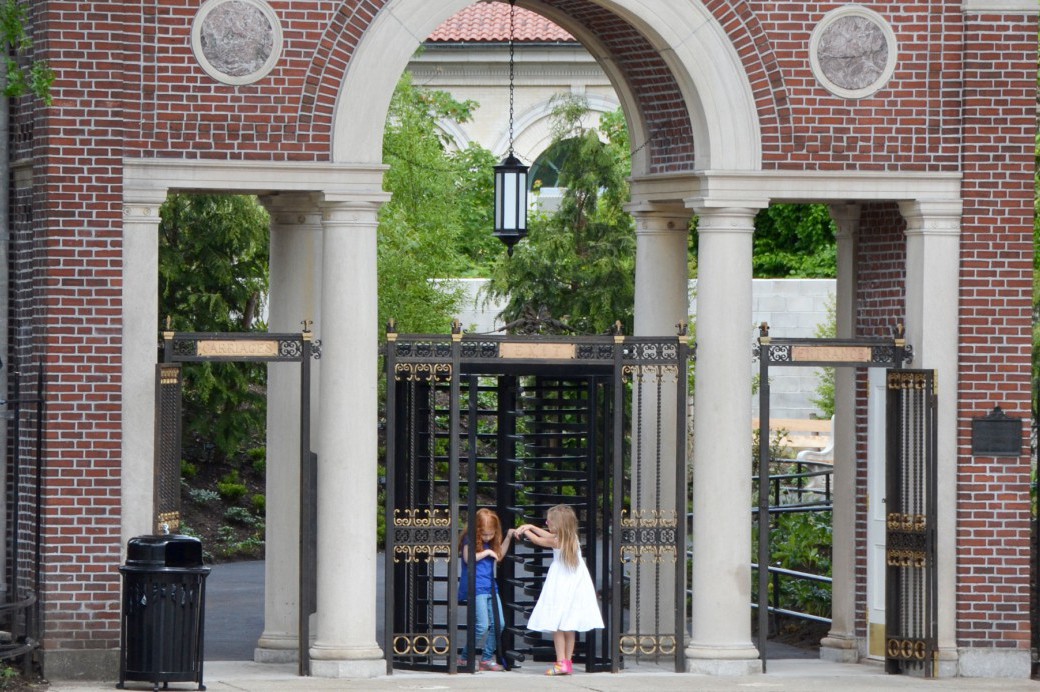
(188, 470)
(802, 542)
(37, 78)
(201, 496)
(438, 220)
(791, 241)
(231, 487)
(213, 263)
(258, 459)
(259, 503)
(578, 263)
(827, 329)
(241, 515)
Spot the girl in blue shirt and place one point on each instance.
(493, 548)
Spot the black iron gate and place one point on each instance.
(910, 550)
(861, 353)
(520, 424)
(254, 347)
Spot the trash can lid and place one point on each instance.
(164, 551)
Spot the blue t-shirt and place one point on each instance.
(485, 575)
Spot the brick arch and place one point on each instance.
(659, 52)
(757, 53)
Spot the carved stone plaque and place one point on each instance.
(236, 41)
(852, 51)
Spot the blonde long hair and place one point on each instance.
(565, 526)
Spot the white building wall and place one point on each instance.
(793, 308)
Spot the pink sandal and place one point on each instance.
(559, 668)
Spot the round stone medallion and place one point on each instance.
(852, 51)
(236, 41)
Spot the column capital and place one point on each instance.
(711, 219)
(846, 218)
(932, 217)
(142, 205)
(652, 217)
(350, 210)
(292, 208)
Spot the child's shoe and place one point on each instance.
(558, 668)
(461, 662)
(569, 666)
(491, 665)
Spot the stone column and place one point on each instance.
(295, 286)
(140, 334)
(932, 328)
(347, 445)
(661, 303)
(841, 643)
(720, 642)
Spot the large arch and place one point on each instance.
(717, 94)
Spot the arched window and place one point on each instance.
(545, 171)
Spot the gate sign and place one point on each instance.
(996, 435)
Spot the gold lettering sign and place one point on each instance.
(539, 351)
(266, 349)
(838, 354)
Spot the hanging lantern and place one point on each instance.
(511, 174)
(510, 201)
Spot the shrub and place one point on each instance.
(201, 496)
(188, 469)
(231, 487)
(259, 502)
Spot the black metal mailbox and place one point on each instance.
(164, 598)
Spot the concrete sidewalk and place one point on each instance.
(234, 622)
(795, 675)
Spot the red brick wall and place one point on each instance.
(128, 85)
(880, 306)
(996, 281)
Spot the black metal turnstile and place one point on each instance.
(520, 424)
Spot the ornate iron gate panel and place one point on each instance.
(243, 347)
(910, 543)
(167, 473)
(519, 425)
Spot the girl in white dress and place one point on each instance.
(567, 603)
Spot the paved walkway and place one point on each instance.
(234, 622)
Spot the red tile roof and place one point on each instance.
(488, 22)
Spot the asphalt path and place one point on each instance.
(235, 613)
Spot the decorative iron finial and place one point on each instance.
(306, 325)
(763, 330)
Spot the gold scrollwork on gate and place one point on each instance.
(648, 535)
(907, 380)
(647, 644)
(906, 558)
(642, 518)
(413, 518)
(418, 644)
(906, 649)
(899, 521)
(651, 373)
(422, 372)
(421, 535)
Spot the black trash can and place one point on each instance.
(164, 603)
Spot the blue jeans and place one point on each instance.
(485, 625)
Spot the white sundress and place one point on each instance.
(568, 600)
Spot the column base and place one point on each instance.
(723, 661)
(839, 648)
(973, 662)
(346, 662)
(276, 648)
(352, 668)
